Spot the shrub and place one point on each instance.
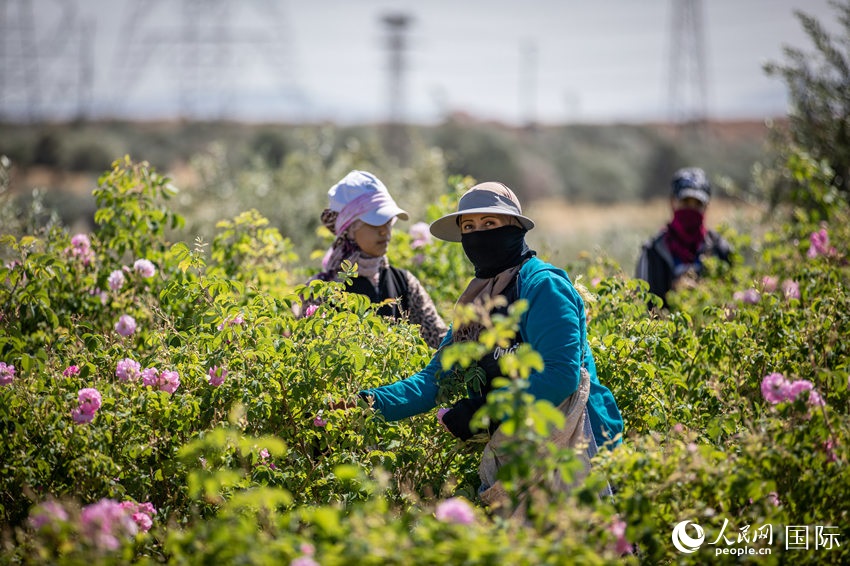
(211, 406)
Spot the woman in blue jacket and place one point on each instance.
(490, 226)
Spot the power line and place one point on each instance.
(207, 55)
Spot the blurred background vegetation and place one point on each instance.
(284, 171)
(596, 188)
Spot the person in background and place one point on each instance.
(361, 214)
(673, 257)
(491, 228)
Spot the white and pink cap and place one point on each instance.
(362, 196)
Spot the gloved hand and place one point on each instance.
(457, 418)
(361, 400)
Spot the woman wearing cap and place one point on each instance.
(361, 214)
(491, 228)
(673, 257)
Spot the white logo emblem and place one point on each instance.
(683, 542)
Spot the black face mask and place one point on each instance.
(493, 251)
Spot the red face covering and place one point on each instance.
(685, 234)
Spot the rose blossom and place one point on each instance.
(169, 381)
(144, 268)
(235, 321)
(48, 512)
(143, 522)
(310, 310)
(115, 280)
(618, 529)
(71, 370)
(126, 325)
(264, 454)
(217, 375)
(90, 400)
(455, 510)
(769, 283)
(775, 388)
(81, 241)
(791, 289)
(797, 387)
(150, 377)
(103, 522)
(147, 507)
(319, 421)
(815, 400)
(81, 248)
(7, 373)
(421, 235)
(819, 244)
(81, 417)
(750, 296)
(128, 370)
(141, 513)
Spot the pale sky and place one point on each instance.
(555, 61)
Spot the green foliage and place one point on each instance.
(131, 213)
(819, 121)
(258, 468)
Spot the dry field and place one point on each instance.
(563, 231)
(617, 230)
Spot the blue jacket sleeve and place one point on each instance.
(411, 396)
(554, 326)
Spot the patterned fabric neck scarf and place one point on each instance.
(345, 248)
(478, 291)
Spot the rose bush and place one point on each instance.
(202, 428)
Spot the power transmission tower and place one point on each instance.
(20, 91)
(688, 88)
(85, 70)
(528, 84)
(208, 54)
(44, 61)
(396, 25)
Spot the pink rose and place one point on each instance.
(455, 510)
(89, 399)
(7, 373)
(115, 280)
(128, 370)
(144, 268)
(81, 417)
(217, 375)
(775, 388)
(126, 325)
(169, 381)
(71, 370)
